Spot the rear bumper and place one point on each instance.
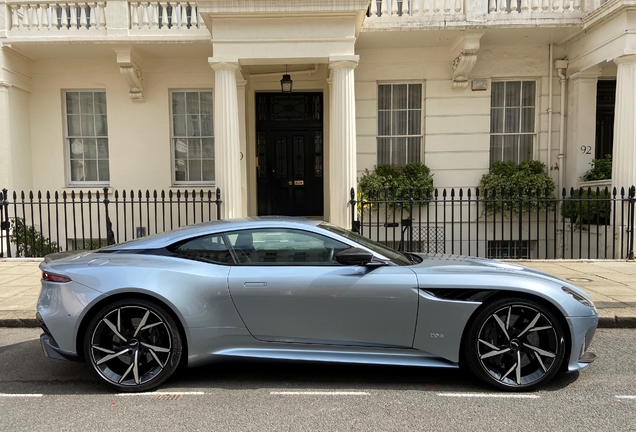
(51, 350)
(60, 310)
(49, 345)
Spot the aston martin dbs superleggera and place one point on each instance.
(291, 288)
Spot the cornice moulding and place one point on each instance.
(281, 6)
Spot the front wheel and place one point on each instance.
(514, 344)
(133, 345)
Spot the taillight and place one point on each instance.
(54, 278)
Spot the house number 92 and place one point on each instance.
(586, 149)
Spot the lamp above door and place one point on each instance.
(286, 83)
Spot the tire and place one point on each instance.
(514, 344)
(133, 345)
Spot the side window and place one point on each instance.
(280, 246)
(208, 248)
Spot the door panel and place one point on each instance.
(340, 305)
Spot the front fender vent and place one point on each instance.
(474, 295)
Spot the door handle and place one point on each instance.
(255, 284)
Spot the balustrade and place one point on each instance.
(184, 15)
(58, 16)
(535, 6)
(165, 15)
(414, 8)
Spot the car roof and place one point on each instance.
(167, 238)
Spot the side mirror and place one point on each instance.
(354, 256)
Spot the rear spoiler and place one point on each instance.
(60, 255)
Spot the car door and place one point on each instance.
(288, 287)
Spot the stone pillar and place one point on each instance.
(240, 86)
(5, 135)
(581, 125)
(342, 142)
(624, 152)
(227, 142)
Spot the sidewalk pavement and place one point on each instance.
(612, 285)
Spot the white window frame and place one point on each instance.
(173, 158)
(533, 134)
(67, 149)
(422, 124)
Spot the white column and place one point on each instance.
(241, 89)
(342, 142)
(581, 129)
(6, 180)
(227, 143)
(624, 150)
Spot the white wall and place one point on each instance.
(139, 132)
(457, 121)
(456, 126)
(15, 141)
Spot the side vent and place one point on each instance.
(460, 294)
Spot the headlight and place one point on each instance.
(578, 297)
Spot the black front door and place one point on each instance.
(289, 139)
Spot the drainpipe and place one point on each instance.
(561, 65)
(549, 161)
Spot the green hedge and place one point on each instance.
(506, 182)
(601, 169)
(28, 241)
(388, 181)
(587, 207)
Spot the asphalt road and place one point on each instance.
(37, 393)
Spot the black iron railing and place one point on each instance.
(34, 224)
(581, 224)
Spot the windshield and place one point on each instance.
(392, 254)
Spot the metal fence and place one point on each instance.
(34, 224)
(579, 224)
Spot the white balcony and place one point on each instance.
(422, 14)
(117, 20)
(107, 20)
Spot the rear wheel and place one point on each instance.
(515, 344)
(133, 345)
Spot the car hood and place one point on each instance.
(489, 272)
(457, 264)
(454, 263)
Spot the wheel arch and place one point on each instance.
(554, 309)
(89, 314)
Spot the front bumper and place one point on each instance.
(582, 330)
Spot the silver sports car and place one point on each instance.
(287, 288)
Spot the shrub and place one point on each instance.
(587, 207)
(30, 242)
(386, 181)
(506, 182)
(601, 169)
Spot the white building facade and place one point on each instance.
(184, 95)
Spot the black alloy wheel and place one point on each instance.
(514, 344)
(133, 345)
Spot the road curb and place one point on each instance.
(19, 322)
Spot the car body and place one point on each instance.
(294, 288)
